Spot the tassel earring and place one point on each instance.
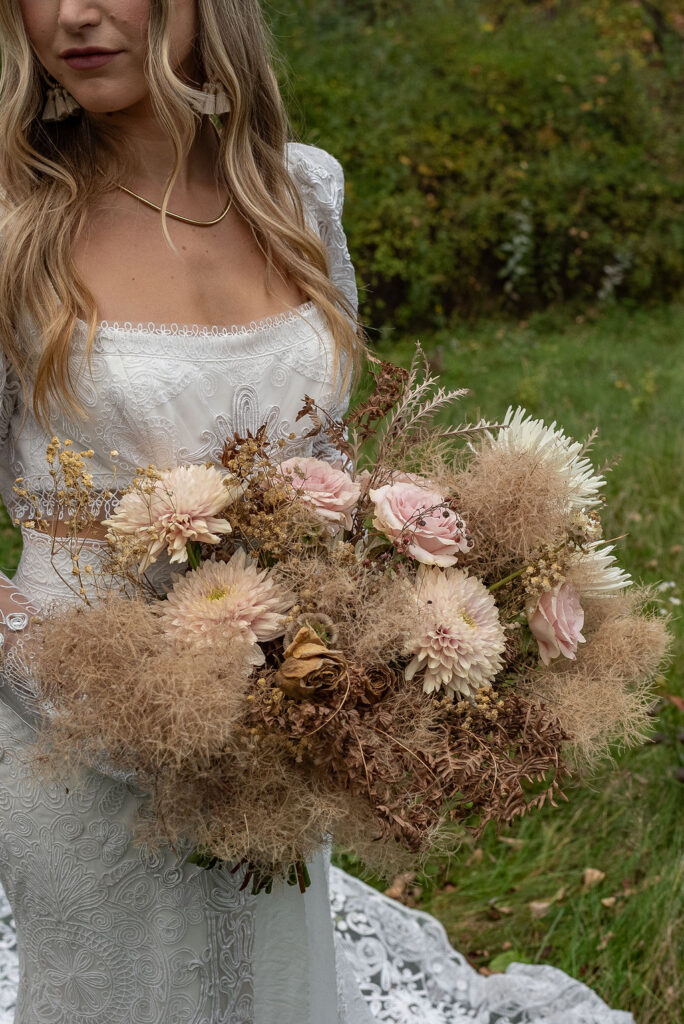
(59, 104)
(213, 99)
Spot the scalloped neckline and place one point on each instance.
(176, 330)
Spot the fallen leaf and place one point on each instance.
(397, 889)
(540, 908)
(495, 912)
(608, 901)
(592, 876)
(505, 946)
(503, 960)
(677, 701)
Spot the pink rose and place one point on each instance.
(328, 490)
(420, 522)
(556, 622)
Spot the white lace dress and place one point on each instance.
(102, 932)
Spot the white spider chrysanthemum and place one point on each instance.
(595, 572)
(522, 433)
(461, 640)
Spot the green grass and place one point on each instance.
(622, 372)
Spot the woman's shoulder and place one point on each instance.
(318, 175)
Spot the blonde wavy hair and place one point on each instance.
(48, 178)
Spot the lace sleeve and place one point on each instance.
(320, 180)
(16, 610)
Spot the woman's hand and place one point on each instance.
(16, 612)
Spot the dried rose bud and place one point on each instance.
(309, 666)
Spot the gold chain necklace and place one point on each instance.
(177, 216)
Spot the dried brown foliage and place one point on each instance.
(390, 381)
(417, 765)
(324, 423)
(508, 766)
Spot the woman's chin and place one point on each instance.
(110, 102)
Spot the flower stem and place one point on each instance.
(193, 554)
(507, 579)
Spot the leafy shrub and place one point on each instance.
(502, 153)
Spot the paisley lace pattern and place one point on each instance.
(410, 974)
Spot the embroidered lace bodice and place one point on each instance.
(101, 931)
(170, 394)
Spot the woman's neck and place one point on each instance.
(154, 155)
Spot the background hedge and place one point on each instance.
(509, 154)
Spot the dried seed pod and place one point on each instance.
(322, 625)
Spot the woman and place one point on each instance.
(125, 204)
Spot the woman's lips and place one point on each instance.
(86, 61)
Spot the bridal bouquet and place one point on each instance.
(424, 632)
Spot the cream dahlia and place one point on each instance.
(595, 572)
(222, 599)
(521, 433)
(182, 505)
(461, 640)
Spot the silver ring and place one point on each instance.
(16, 621)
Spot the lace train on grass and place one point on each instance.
(397, 966)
